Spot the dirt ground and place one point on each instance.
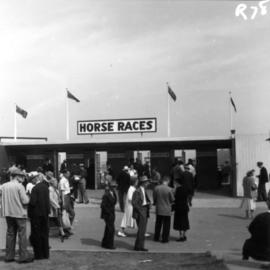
(84, 260)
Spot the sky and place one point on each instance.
(116, 57)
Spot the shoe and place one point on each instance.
(180, 239)
(69, 233)
(165, 241)
(109, 247)
(121, 234)
(156, 240)
(140, 249)
(184, 238)
(87, 202)
(147, 234)
(28, 260)
(9, 260)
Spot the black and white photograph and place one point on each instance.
(134, 134)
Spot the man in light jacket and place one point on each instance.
(163, 198)
(14, 209)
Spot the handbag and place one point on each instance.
(66, 220)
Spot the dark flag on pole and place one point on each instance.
(20, 111)
(171, 93)
(233, 104)
(69, 95)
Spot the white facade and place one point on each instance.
(249, 150)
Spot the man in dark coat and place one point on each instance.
(141, 206)
(38, 212)
(258, 246)
(187, 180)
(108, 203)
(47, 166)
(263, 179)
(123, 183)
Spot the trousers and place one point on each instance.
(16, 226)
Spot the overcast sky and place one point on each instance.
(116, 57)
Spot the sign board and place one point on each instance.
(160, 155)
(116, 126)
(116, 155)
(35, 157)
(75, 156)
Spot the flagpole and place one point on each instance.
(15, 124)
(67, 117)
(231, 116)
(168, 106)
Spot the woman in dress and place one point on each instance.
(55, 205)
(250, 194)
(181, 209)
(128, 221)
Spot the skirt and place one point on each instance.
(249, 204)
(181, 221)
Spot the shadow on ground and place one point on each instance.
(121, 261)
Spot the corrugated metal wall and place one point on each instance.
(249, 150)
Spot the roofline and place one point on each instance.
(117, 141)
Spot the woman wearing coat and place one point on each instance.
(250, 194)
(181, 209)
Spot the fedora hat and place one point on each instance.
(144, 178)
(16, 171)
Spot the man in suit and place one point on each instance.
(163, 198)
(38, 211)
(108, 203)
(123, 183)
(141, 206)
(258, 246)
(263, 179)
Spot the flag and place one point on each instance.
(233, 104)
(69, 95)
(20, 111)
(171, 93)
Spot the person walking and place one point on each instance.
(250, 193)
(108, 203)
(263, 179)
(181, 209)
(65, 195)
(38, 212)
(163, 198)
(14, 208)
(128, 220)
(141, 207)
(123, 183)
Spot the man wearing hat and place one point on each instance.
(38, 212)
(14, 209)
(141, 207)
(263, 179)
(123, 183)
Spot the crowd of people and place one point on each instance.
(170, 194)
(41, 198)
